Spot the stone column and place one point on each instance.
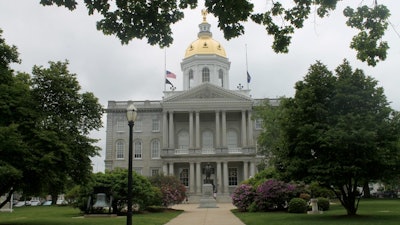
(217, 131)
(198, 130)
(198, 178)
(191, 143)
(171, 130)
(219, 177)
(244, 133)
(165, 169)
(171, 168)
(226, 181)
(245, 170)
(224, 129)
(252, 169)
(191, 177)
(165, 130)
(249, 129)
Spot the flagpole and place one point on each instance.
(247, 68)
(165, 69)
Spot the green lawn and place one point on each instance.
(371, 212)
(65, 215)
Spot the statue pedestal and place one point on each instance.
(314, 207)
(207, 200)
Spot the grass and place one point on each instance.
(370, 212)
(65, 215)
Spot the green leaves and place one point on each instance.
(152, 20)
(372, 23)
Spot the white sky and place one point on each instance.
(136, 71)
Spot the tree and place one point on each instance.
(115, 183)
(16, 119)
(338, 130)
(66, 116)
(129, 19)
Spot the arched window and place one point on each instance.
(138, 150)
(190, 77)
(120, 149)
(183, 139)
(208, 139)
(232, 139)
(155, 149)
(205, 75)
(221, 77)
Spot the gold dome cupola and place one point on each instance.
(205, 44)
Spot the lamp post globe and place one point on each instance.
(131, 113)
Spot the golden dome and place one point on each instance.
(205, 44)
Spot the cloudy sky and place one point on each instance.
(136, 71)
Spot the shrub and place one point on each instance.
(243, 196)
(273, 194)
(172, 190)
(323, 204)
(305, 196)
(297, 205)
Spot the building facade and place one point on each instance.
(206, 123)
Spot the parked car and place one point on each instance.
(47, 203)
(385, 194)
(35, 202)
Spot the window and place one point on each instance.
(183, 140)
(221, 76)
(155, 127)
(232, 179)
(190, 77)
(208, 139)
(154, 172)
(138, 170)
(138, 150)
(205, 74)
(231, 139)
(184, 177)
(138, 126)
(258, 124)
(120, 149)
(155, 149)
(121, 125)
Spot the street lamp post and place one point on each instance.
(131, 113)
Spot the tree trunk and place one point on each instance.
(54, 198)
(7, 199)
(367, 192)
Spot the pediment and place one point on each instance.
(208, 92)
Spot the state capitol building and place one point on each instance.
(206, 123)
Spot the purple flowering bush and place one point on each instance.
(273, 195)
(172, 190)
(243, 196)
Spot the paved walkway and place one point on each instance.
(193, 215)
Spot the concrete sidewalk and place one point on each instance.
(193, 215)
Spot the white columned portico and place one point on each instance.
(224, 129)
(171, 130)
(197, 129)
(165, 130)
(226, 184)
(198, 177)
(191, 177)
(219, 177)
(217, 130)
(244, 133)
(191, 143)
